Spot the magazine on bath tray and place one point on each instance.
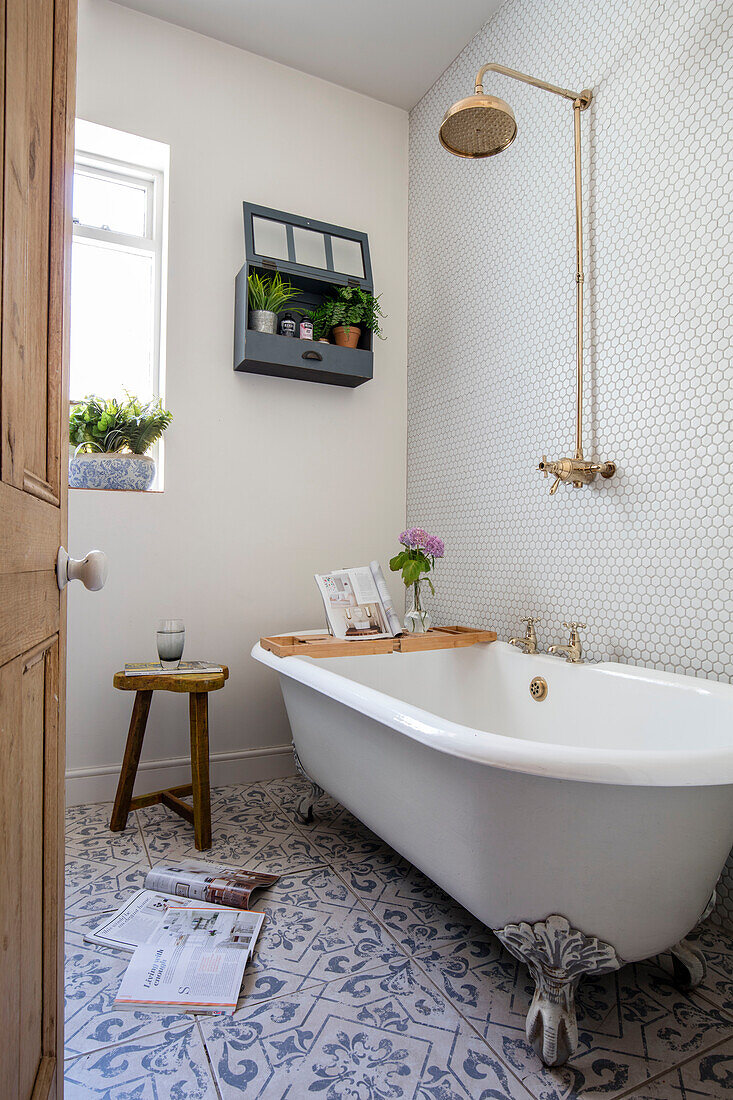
(358, 603)
(190, 933)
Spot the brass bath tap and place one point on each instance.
(577, 470)
(529, 642)
(573, 651)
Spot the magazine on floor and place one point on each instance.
(193, 961)
(137, 921)
(358, 603)
(199, 880)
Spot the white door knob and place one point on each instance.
(92, 570)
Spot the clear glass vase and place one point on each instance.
(417, 619)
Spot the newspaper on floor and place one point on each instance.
(193, 961)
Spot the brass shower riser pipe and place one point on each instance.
(481, 126)
(579, 278)
(580, 100)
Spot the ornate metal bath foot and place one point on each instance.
(689, 965)
(688, 959)
(558, 956)
(304, 810)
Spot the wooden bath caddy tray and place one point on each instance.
(324, 645)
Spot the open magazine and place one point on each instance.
(194, 961)
(358, 603)
(215, 883)
(136, 922)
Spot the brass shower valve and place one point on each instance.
(577, 470)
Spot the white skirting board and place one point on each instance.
(99, 784)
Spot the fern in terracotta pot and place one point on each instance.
(347, 311)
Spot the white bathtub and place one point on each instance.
(587, 830)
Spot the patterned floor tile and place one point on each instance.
(289, 791)
(632, 1024)
(242, 832)
(170, 1065)
(377, 1036)
(420, 915)
(315, 930)
(340, 836)
(709, 1077)
(248, 794)
(342, 839)
(330, 1003)
(99, 887)
(717, 947)
(88, 835)
(91, 979)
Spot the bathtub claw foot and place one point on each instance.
(551, 1026)
(689, 965)
(304, 809)
(557, 956)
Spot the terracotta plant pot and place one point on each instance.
(345, 340)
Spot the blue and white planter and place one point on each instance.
(111, 471)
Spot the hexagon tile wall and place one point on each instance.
(644, 559)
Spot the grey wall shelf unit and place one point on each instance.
(314, 256)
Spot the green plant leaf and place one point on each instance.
(347, 306)
(271, 293)
(110, 425)
(411, 571)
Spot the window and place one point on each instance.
(118, 264)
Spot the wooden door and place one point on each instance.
(36, 158)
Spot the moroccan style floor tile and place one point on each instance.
(343, 839)
(289, 791)
(248, 794)
(709, 1077)
(378, 1035)
(168, 1064)
(632, 1024)
(718, 950)
(258, 838)
(92, 978)
(315, 930)
(420, 915)
(99, 887)
(334, 830)
(368, 980)
(88, 835)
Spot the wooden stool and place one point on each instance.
(198, 685)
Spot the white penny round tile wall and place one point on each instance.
(644, 559)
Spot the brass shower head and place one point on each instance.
(482, 125)
(478, 126)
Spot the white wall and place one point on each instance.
(644, 559)
(266, 480)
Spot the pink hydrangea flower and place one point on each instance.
(414, 537)
(434, 546)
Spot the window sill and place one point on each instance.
(139, 492)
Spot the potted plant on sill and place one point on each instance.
(111, 440)
(346, 312)
(268, 296)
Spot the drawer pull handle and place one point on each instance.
(313, 355)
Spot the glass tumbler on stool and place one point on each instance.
(170, 637)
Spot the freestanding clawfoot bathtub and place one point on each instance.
(587, 828)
